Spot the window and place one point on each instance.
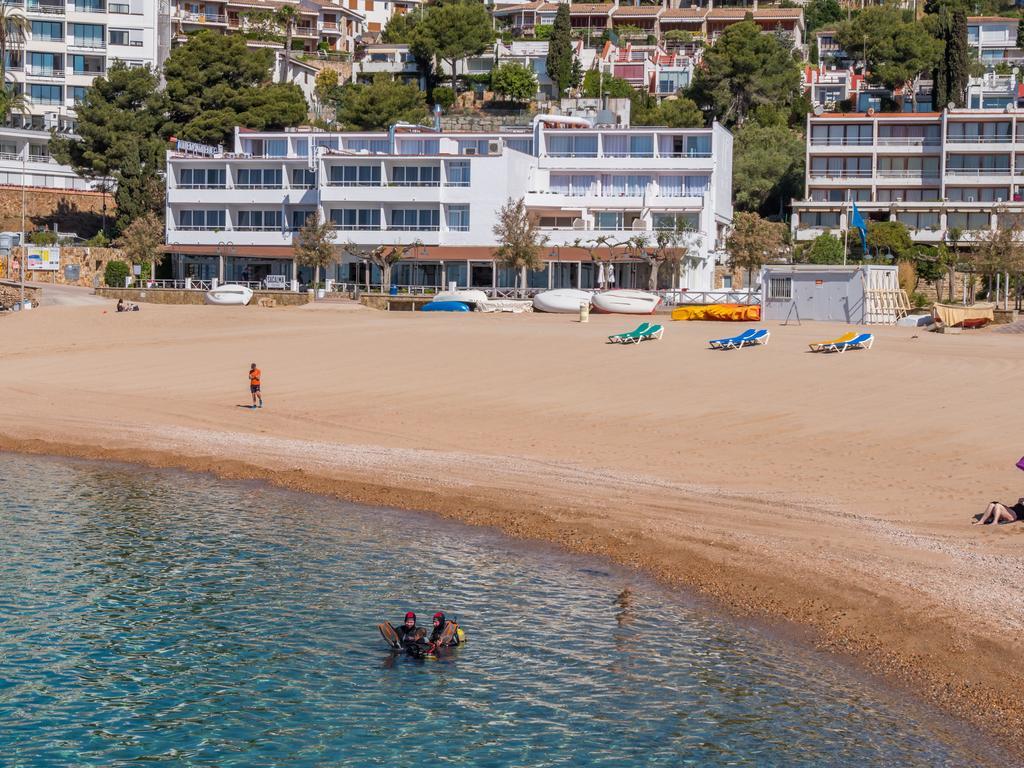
(373, 146)
(910, 167)
(780, 288)
(967, 221)
(819, 220)
(841, 135)
(608, 220)
(303, 178)
(458, 174)
(45, 64)
(727, 282)
(259, 220)
(978, 132)
(87, 35)
(90, 6)
(417, 219)
(201, 178)
(86, 65)
(679, 222)
(458, 218)
(419, 147)
(473, 147)
(698, 146)
(45, 94)
(120, 8)
(48, 30)
(299, 219)
(416, 175)
(908, 134)
(641, 146)
(923, 195)
(119, 37)
(841, 167)
(351, 218)
(967, 165)
(355, 175)
(571, 146)
(201, 219)
(919, 219)
(977, 194)
(259, 178)
(619, 186)
(520, 145)
(77, 93)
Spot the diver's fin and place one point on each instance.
(389, 634)
(448, 633)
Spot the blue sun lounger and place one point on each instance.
(862, 341)
(749, 336)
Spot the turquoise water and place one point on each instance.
(176, 619)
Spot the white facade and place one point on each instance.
(443, 191)
(69, 43)
(994, 39)
(934, 172)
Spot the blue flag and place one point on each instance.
(857, 221)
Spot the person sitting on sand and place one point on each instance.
(120, 305)
(997, 512)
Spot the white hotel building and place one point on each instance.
(934, 171)
(234, 215)
(69, 43)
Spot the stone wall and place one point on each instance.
(92, 262)
(70, 210)
(174, 296)
(483, 122)
(10, 293)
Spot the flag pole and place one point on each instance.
(846, 234)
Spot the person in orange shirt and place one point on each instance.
(254, 385)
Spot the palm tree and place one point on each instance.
(286, 17)
(14, 27)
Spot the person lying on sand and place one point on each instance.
(1000, 513)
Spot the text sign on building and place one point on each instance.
(42, 257)
(195, 148)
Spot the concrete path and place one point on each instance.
(68, 296)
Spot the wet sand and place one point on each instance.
(834, 492)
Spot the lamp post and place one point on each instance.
(24, 248)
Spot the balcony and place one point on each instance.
(87, 43)
(44, 72)
(203, 18)
(50, 9)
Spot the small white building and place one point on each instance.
(847, 294)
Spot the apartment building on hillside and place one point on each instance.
(69, 43)
(935, 172)
(235, 215)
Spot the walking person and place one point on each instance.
(254, 385)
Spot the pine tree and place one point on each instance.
(560, 56)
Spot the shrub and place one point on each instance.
(43, 237)
(444, 97)
(115, 273)
(99, 240)
(542, 31)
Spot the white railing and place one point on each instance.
(1007, 139)
(678, 297)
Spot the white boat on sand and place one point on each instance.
(561, 300)
(470, 297)
(237, 295)
(622, 301)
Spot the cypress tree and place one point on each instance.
(958, 58)
(560, 57)
(940, 80)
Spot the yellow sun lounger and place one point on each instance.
(820, 345)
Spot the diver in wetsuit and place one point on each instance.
(408, 627)
(436, 640)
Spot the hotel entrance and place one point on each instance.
(481, 274)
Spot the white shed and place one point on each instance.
(850, 294)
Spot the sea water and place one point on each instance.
(169, 618)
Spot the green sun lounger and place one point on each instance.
(629, 336)
(651, 332)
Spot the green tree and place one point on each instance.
(140, 241)
(452, 31)
(384, 257)
(214, 83)
(819, 13)
(768, 166)
(669, 248)
(118, 139)
(743, 70)
(560, 55)
(379, 104)
(326, 89)
(826, 248)
(890, 237)
(285, 17)
(515, 81)
(314, 245)
(14, 28)
(895, 47)
(519, 241)
(952, 71)
(679, 112)
(595, 86)
(115, 272)
(754, 242)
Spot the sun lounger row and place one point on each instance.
(749, 337)
(643, 332)
(847, 341)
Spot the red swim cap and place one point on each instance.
(438, 615)
(410, 615)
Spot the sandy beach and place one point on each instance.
(834, 492)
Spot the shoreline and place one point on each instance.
(827, 494)
(778, 602)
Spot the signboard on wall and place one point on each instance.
(43, 257)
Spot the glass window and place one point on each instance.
(458, 174)
(919, 219)
(45, 64)
(87, 35)
(48, 30)
(416, 219)
(77, 93)
(45, 94)
(641, 146)
(303, 178)
(201, 219)
(119, 37)
(259, 178)
(416, 175)
(86, 65)
(458, 218)
(676, 221)
(355, 175)
(352, 218)
(967, 221)
(520, 145)
(299, 218)
(267, 220)
(277, 147)
(608, 220)
(698, 146)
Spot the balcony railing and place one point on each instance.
(258, 186)
(34, 71)
(259, 228)
(842, 142)
(839, 174)
(202, 186)
(908, 173)
(48, 8)
(1007, 139)
(909, 141)
(978, 171)
(87, 42)
(414, 228)
(203, 18)
(40, 159)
